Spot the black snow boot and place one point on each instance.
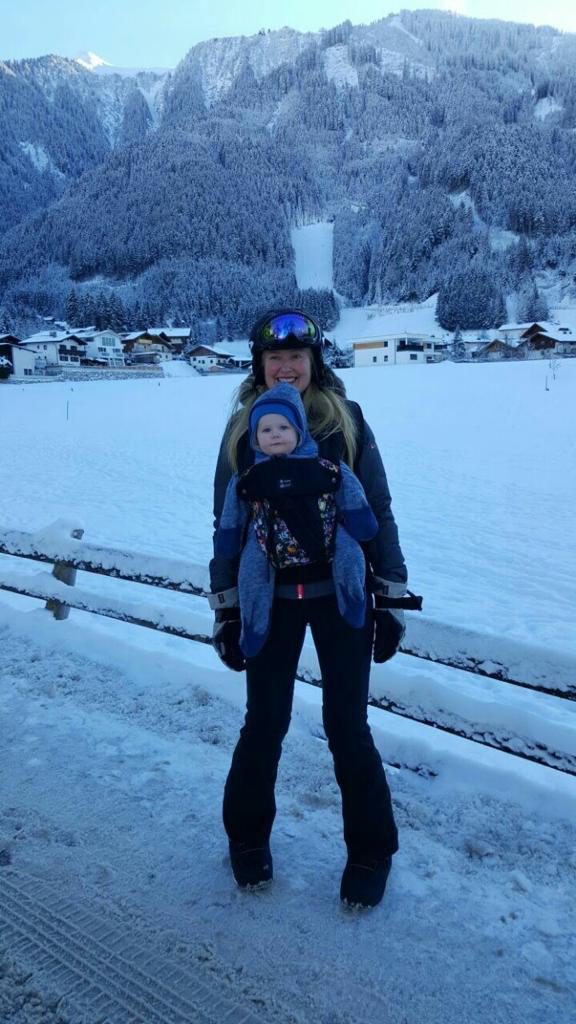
(251, 865)
(364, 881)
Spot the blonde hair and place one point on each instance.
(325, 409)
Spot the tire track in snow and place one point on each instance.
(102, 970)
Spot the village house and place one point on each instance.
(537, 345)
(543, 340)
(145, 347)
(398, 348)
(16, 360)
(240, 362)
(539, 340)
(494, 350)
(177, 337)
(566, 344)
(56, 350)
(512, 333)
(102, 347)
(204, 357)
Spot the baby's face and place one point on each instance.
(276, 435)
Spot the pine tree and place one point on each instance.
(532, 306)
(116, 313)
(5, 322)
(457, 346)
(469, 300)
(72, 309)
(88, 310)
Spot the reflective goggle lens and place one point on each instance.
(287, 325)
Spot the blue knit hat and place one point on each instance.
(284, 400)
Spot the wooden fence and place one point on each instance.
(480, 655)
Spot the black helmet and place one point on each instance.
(286, 328)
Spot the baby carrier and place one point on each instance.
(293, 508)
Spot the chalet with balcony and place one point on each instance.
(56, 350)
(145, 347)
(539, 340)
(542, 343)
(177, 337)
(538, 345)
(103, 348)
(398, 348)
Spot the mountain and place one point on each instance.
(442, 147)
(57, 120)
(92, 62)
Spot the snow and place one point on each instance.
(220, 60)
(365, 322)
(171, 332)
(234, 349)
(546, 326)
(396, 63)
(545, 107)
(313, 246)
(40, 158)
(395, 21)
(117, 740)
(488, 439)
(114, 763)
(338, 67)
(177, 368)
(154, 91)
(500, 239)
(92, 62)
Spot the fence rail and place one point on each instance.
(477, 654)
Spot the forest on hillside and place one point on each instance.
(450, 171)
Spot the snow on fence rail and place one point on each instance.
(533, 668)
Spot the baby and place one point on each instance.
(275, 435)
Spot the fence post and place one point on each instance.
(66, 573)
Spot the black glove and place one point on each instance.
(226, 638)
(389, 628)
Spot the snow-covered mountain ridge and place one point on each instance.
(98, 66)
(442, 149)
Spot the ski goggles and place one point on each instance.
(284, 328)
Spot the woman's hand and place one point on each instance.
(389, 630)
(226, 638)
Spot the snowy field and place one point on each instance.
(481, 462)
(116, 741)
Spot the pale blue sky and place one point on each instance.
(160, 32)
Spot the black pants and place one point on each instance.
(344, 654)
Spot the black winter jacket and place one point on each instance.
(383, 553)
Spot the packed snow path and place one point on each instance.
(114, 862)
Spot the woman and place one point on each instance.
(287, 347)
